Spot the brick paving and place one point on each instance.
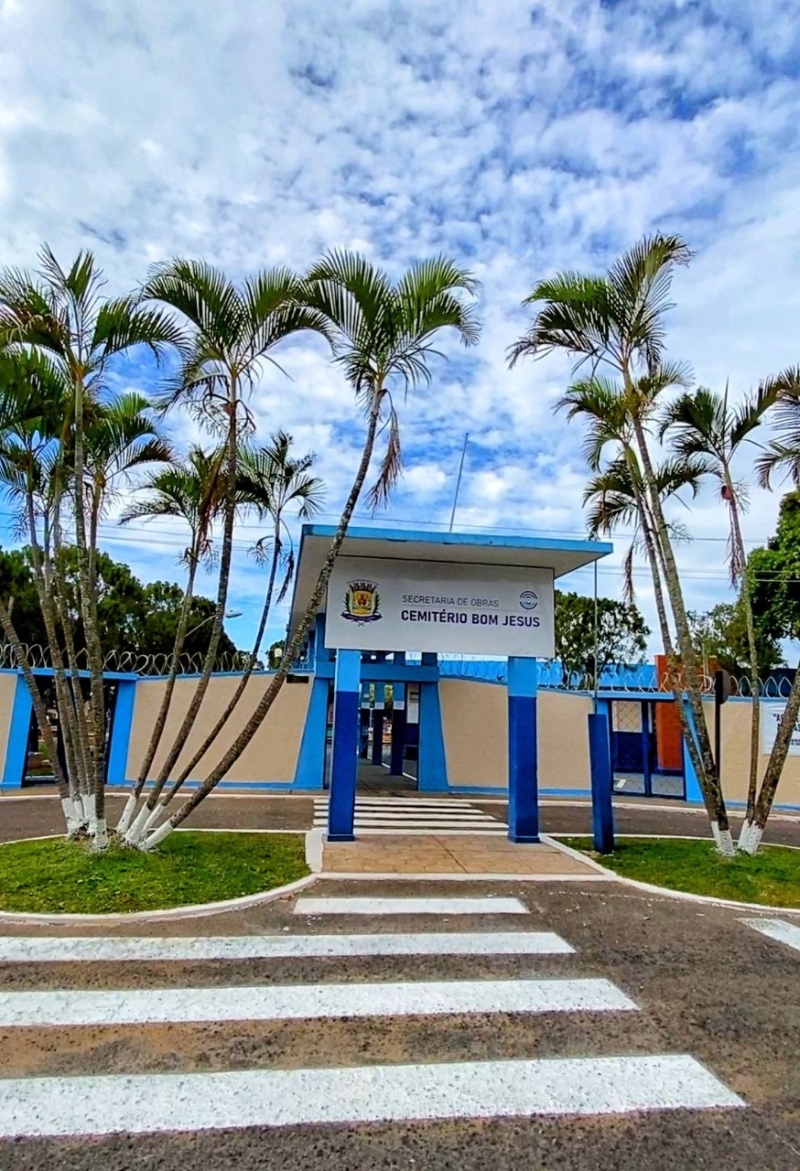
(451, 854)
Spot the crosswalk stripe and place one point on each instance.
(308, 1002)
(38, 949)
(410, 906)
(51, 1107)
(777, 929)
(401, 825)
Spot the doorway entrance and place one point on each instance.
(646, 755)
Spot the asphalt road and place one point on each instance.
(706, 985)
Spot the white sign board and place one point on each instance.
(377, 604)
(770, 719)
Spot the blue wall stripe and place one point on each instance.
(18, 731)
(310, 770)
(121, 733)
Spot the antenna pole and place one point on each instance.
(458, 482)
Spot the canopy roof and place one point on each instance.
(561, 556)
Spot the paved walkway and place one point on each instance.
(452, 854)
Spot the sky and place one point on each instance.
(519, 138)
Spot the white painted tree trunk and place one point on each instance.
(752, 840)
(127, 815)
(89, 812)
(153, 818)
(715, 832)
(100, 835)
(726, 846)
(136, 832)
(157, 836)
(744, 835)
(73, 815)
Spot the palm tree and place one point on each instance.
(120, 438)
(618, 493)
(270, 481)
(229, 334)
(616, 321)
(782, 453)
(61, 314)
(195, 492)
(383, 335)
(706, 425)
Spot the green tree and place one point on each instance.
(59, 319)
(229, 332)
(621, 635)
(721, 637)
(384, 335)
(706, 425)
(194, 491)
(271, 481)
(616, 322)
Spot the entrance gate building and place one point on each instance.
(396, 601)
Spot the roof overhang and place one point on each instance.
(562, 556)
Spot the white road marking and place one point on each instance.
(777, 929)
(410, 815)
(412, 906)
(54, 1106)
(308, 1002)
(16, 949)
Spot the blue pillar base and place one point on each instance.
(523, 772)
(344, 762)
(602, 801)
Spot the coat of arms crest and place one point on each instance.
(362, 602)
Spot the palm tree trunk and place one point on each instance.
(88, 606)
(70, 800)
(155, 739)
(740, 559)
(666, 634)
(239, 692)
(293, 645)
(138, 828)
(708, 775)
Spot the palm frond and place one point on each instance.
(391, 465)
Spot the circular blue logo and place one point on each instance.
(528, 600)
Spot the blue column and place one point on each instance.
(377, 723)
(432, 764)
(116, 772)
(18, 731)
(344, 764)
(523, 766)
(398, 750)
(309, 772)
(600, 764)
(646, 747)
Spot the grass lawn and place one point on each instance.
(57, 876)
(772, 877)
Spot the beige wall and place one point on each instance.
(8, 689)
(270, 756)
(475, 727)
(736, 755)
